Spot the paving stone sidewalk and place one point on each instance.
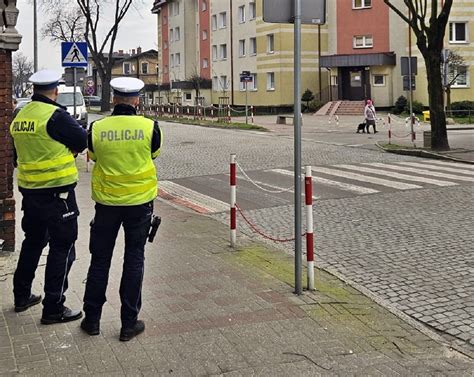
(213, 311)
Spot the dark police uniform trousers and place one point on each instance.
(136, 221)
(48, 217)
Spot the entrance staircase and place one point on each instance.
(342, 108)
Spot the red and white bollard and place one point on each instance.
(337, 120)
(228, 113)
(212, 113)
(308, 190)
(251, 114)
(389, 129)
(233, 198)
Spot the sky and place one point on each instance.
(138, 28)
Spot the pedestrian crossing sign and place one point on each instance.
(74, 54)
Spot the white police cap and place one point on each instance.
(127, 86)
(45, 79)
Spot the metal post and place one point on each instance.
(297, 142)
(233, 198)
(74, 95)
(410, 83)
(246, 104)
(35, 35)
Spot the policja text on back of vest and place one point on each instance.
(119, 135)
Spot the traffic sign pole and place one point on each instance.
(246, 104)
(297, 141)
(74, 94)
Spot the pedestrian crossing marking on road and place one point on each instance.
(453, 164)
(437, 167)
(192, 199)
(366, 178)
(422, 171)
(405, 177)
(329, 182)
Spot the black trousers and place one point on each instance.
(136, 222)
(47, 218)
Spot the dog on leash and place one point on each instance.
(361, 127)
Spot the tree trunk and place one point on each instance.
(105, 105)
(448, 99)
(439, 136)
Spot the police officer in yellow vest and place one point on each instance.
(124, 185)
(46, 139)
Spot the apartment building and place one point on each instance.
(355, 56)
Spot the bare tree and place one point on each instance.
(198, 82)
(92, 22)
(65, 25)
(453, 69)
(22, 68)
(428, 20)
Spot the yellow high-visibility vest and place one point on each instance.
(124, 173)
(42, 161)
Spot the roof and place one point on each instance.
(359, 60)
(157, 6)
(134, 57)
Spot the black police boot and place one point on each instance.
(127, 333)
(92, 328)
(67, 315)
(22, 305)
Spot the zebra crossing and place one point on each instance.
(211, 194)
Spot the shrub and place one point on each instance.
(463, 105)
(400, 105)
(418, 107)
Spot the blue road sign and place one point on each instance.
(74, 54)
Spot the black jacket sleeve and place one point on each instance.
(156, 139)
(63, 128)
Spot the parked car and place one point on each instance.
(66, 99)
(20, 103)
(93, 101)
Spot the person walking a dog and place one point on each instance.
(370, 116)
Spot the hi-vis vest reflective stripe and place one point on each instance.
(124, 172)
(42, 161)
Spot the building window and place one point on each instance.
(270, 80)
(204, 5)
(333, 80)
(253, 84)
(457, 32)
(204, 35)
(205, 63)
(172, 60)
(360, 4)
(222, 20)
(175, 8)
(242, 14)
(270, 43)
(224, 83)
(177, 59)
(171, 35)
(214, 53)
(214, 22)
(242, 47)
(253, 46)
(223, 51)
(215, 83)
(145, 68)
(252, 11)
(363, 41)
(126, 68)
(177, 34)
(460, 76)
(379, 80)
(188, 96)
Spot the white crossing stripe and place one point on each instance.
(281, 190)
(365, 178)
(328, 182)
(437, 167)
(446, 163)
(193, 197)
(392, 174)
(423, 171)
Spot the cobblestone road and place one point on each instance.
(412, 249)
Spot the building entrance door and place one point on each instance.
(355, 83)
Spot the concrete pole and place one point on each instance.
(35, 35)
(297, 143)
